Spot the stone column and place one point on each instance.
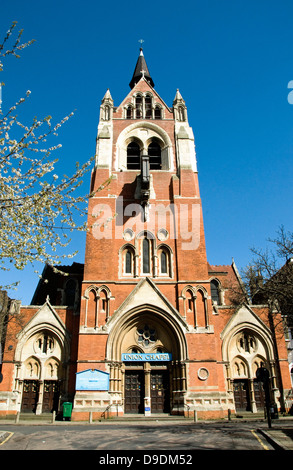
(147, 389)
(252, 396)
(40, 398)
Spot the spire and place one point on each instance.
(141, 70)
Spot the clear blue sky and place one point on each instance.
(232, 62)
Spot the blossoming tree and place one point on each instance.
(38, 208)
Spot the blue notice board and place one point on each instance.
(92, 379)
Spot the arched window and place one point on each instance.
(154, 152)
(158, 112)
(201, 312)
(128, 262)
(215, 292)
(129, 112)
(138, 107)
(148, 107)
(145, 256)
(164, 261)
(91, 309)
(107, 113)
(45, 344)
(189, 307)
(133, 156)
(103, 301)
(181, 114)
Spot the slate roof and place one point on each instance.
(137, 74)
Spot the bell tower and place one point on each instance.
(145, 249)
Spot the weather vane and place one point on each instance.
(141, 41)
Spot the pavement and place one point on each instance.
(281, 438)
(279, 435)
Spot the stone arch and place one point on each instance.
(251, 343)
(123, 265)
(32, 368)
(164, 248)
(143, 132)
(51, 368)
(152, 314)
(239, 367)
(148, 332)
(262, 335)
(42, 343)
(97, 306)
(28, 337)
(216, 291)
(201, 308)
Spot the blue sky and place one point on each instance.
(232, 62)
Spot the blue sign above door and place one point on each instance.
(92, 379)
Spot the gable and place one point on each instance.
(45, 317)
(147, 295)
(142, 87)
(244, 317)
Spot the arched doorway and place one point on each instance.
(148, 351)
(40, 376)
(247, 350)
(41, 373)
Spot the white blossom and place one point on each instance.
(38, 208)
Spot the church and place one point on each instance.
(146, 326)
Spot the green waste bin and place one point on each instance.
(67, 409)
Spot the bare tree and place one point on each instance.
(269, 277)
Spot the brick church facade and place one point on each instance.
(146, 325)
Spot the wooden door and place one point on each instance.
(241, 395)
(259, 394)
(134, 391)
(30, 396)
(50, 396)
(160, 394)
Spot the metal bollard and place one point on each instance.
(195, 416)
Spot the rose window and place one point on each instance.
(146, 336)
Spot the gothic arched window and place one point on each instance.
(128, 262)
(133, 156)
(154, 152)
(146, 266)
(138, 106)
(215, 292)
(164, 258)
(148, 107)
(158, 112)
(129, 112)
(164, 261)
(181, 113)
